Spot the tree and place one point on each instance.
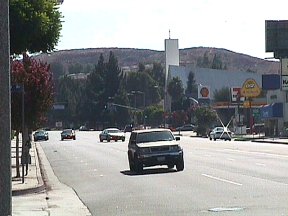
(34, 25)
(142, 82)
(205, 116)
(70, 93)
(112, 76)
(157, 73)
(222, 95)
(175, 89)
(154, 115)
(191, 89)
(36, 78)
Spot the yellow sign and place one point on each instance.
(250, 88)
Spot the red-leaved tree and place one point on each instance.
(36, 78)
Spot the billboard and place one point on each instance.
(276, 34)
(270, 81)
(235, 93)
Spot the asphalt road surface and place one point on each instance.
(220, 177)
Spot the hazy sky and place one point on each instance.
(235, 25)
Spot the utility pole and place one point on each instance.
(5, 112)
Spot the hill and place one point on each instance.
(129, 58)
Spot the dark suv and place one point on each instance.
(154, 147)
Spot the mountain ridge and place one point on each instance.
(131, 57)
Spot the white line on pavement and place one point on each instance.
(223, 180)
(260, 164)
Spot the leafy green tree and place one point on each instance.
(34, 25)
(94, 102)
(142, 82)
(120, 116)
(157, 73)
(205, 117)
(191, 89)
(222, 95)
(112, 76)
(175, 89)
(70, 93)
(154, 115)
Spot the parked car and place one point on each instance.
(111, 134)
(187, 127)
(40, 135)
(68, 134)
(219, 133)
(153, 147)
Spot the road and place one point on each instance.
(220, 177)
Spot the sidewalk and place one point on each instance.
(42, 194)
(246, 137)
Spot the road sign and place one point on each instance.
(284, 82)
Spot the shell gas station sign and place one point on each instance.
(250, 89)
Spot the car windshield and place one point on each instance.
(39, 132)
(154, 136)
(67, 131)
(113, 131)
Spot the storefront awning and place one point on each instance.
(274, 110)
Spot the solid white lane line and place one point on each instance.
(223, 180)
(260, 164)
(231, 159)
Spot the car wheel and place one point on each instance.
(214, 138)
(101, 140)
(123, 140)
(108, 140)
(131, 164)
(74, 138)
(138, 166)
(62, 139)
(210, 138)
(180, 165)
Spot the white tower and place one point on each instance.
(171, 58)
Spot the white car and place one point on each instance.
(111, 134)
(220, 133)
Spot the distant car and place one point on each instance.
(83, 128)
(111, 134)
(40, 135)
(187, 127)
(153, 147)
(128, 128)
(68, 134)
(219, 133)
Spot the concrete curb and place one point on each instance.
(61, 199)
